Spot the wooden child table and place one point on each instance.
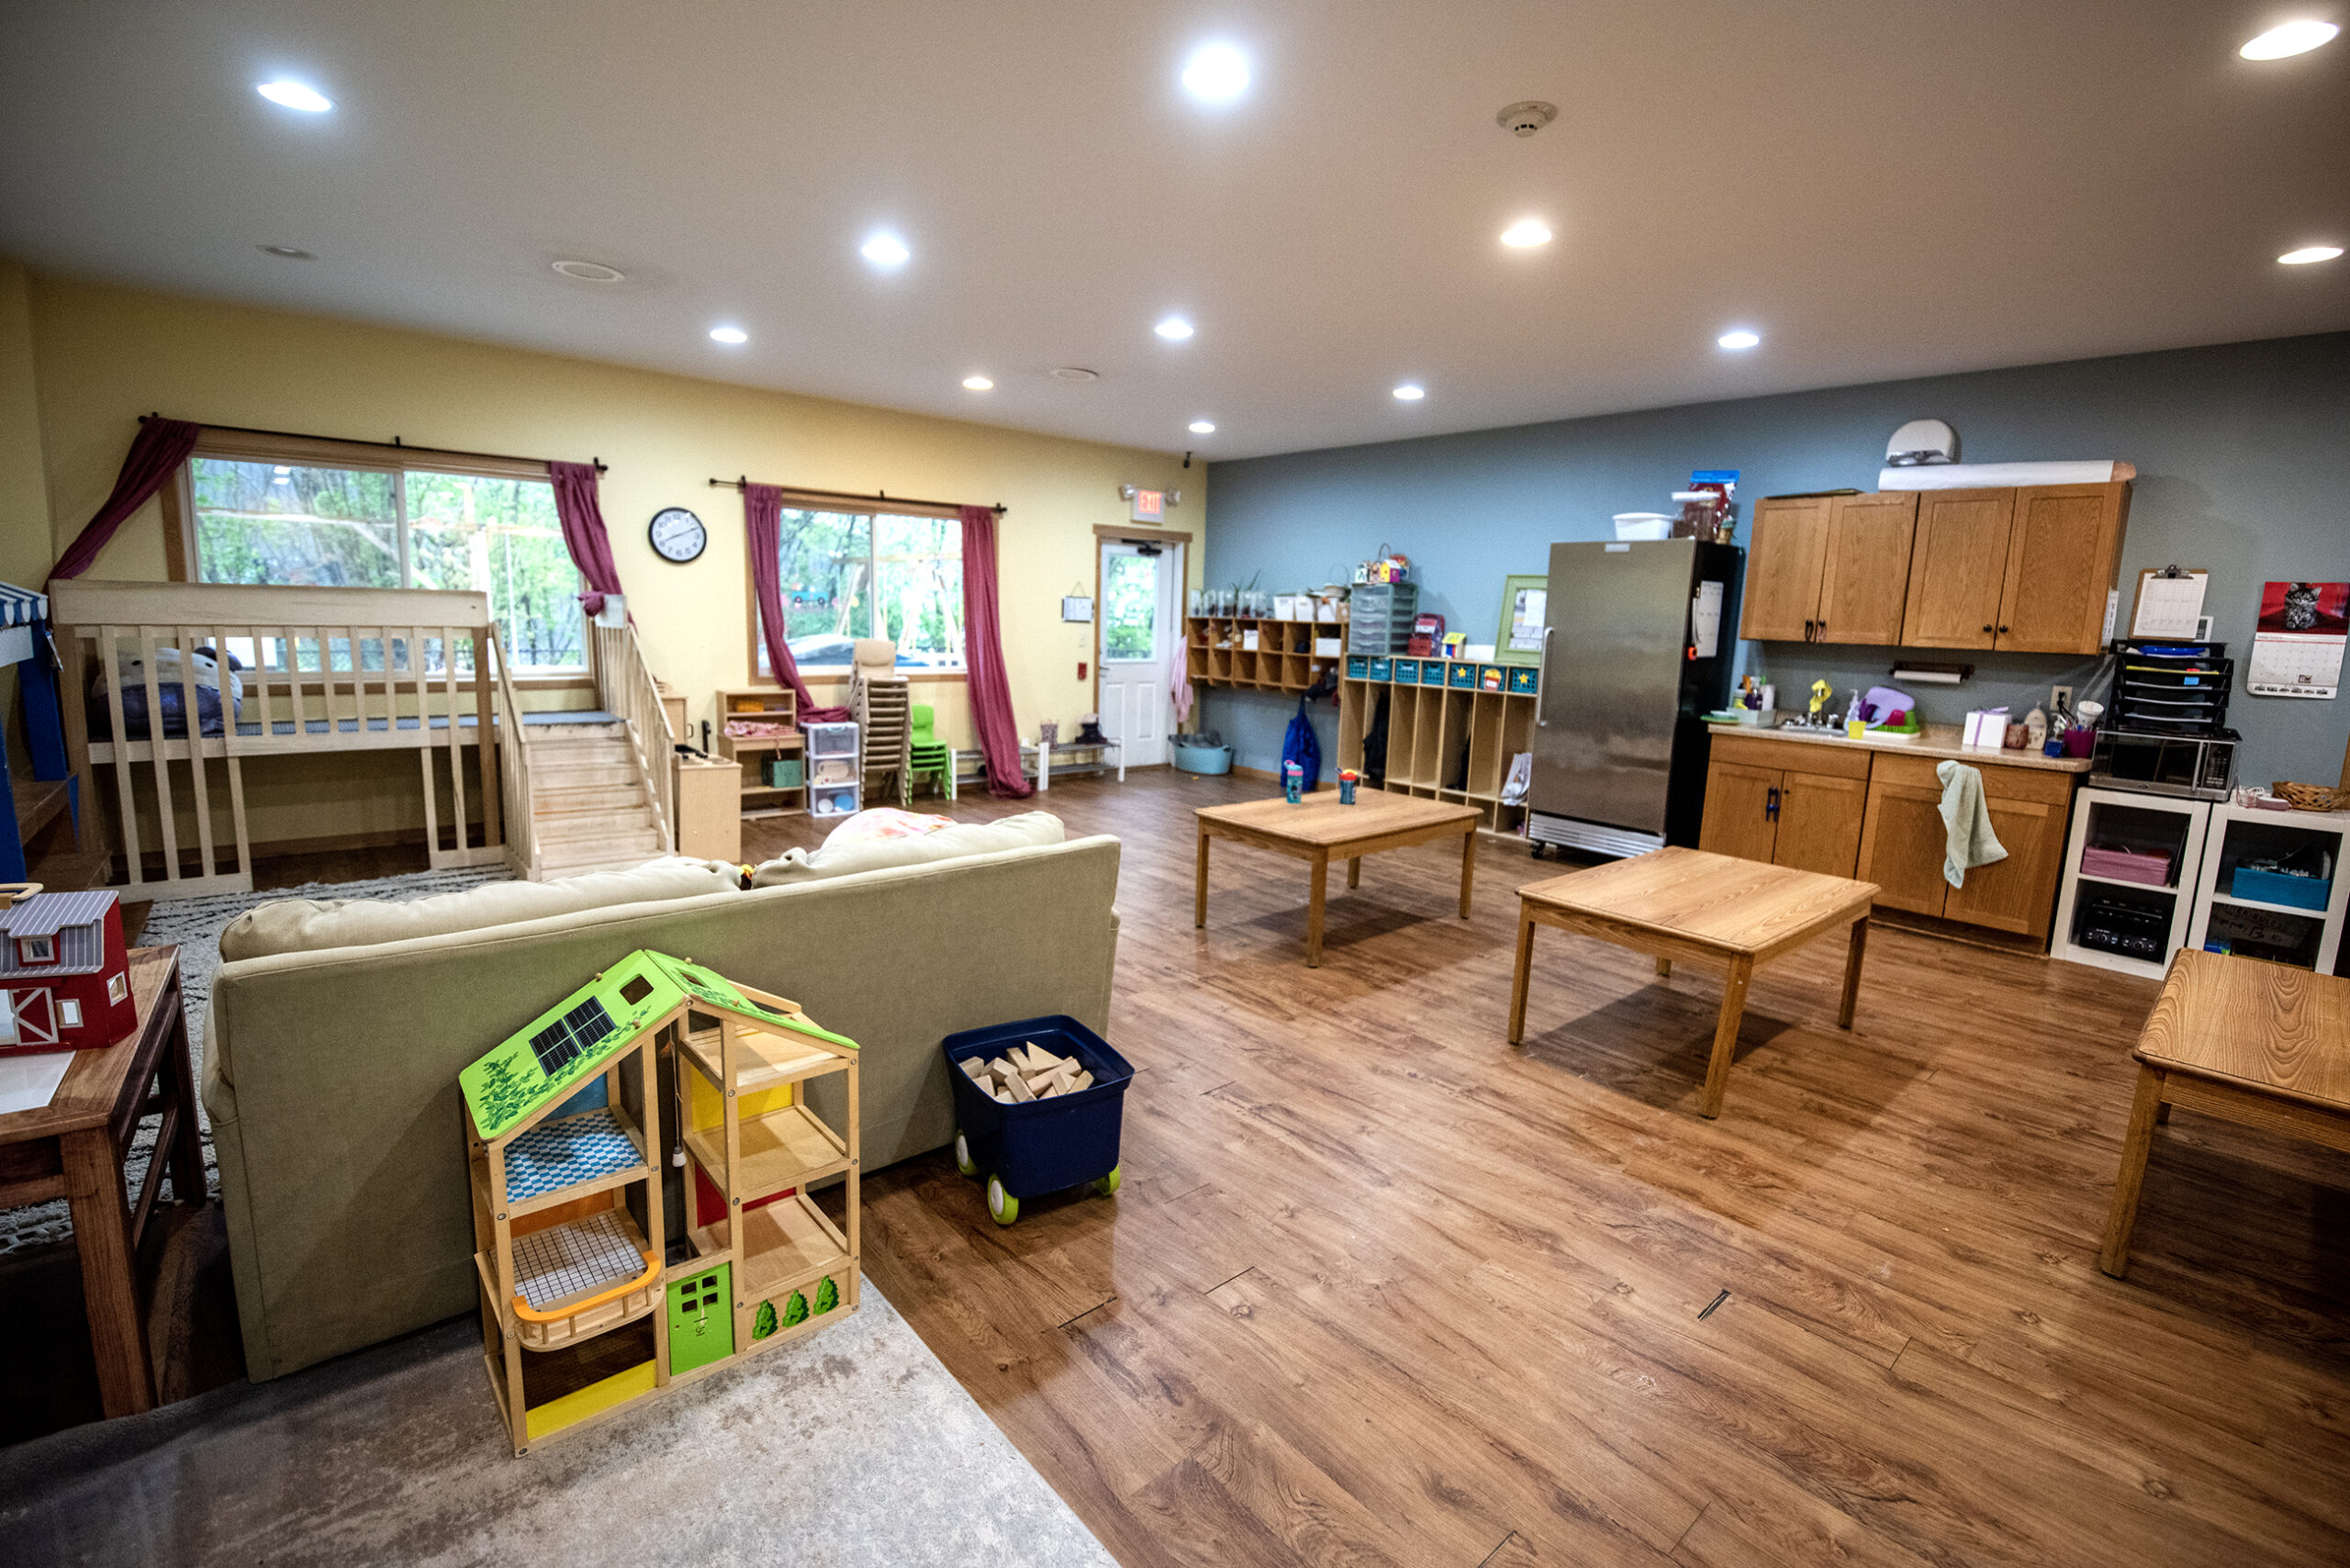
(1319, 829)
(1687, 903)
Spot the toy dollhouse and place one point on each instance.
(586, 1304)
(64, 973)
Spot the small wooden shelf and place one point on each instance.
(782, 1149)
(763, 1060)
(783, 1244)
(767, 705)
(1213, 654)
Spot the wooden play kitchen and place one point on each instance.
(2259, 1043)
(1685, 903)
(586, 1304)
(1320, 829)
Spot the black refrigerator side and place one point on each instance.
(1705, 684)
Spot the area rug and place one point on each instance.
(851, 1449)
(196, 925)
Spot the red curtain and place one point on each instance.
(763, 520)
(990, 693)
(583, 531)
(156, 453)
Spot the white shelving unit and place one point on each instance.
(2117, 921)
(2228, 919)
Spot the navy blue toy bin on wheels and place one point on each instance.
(1037, 1146)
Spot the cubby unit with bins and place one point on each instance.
(757, 756)
(2271, 885)
(1453, 727)
(1286, 655)
(2132, 865)
(581, 1311)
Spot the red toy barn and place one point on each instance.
(64, 976)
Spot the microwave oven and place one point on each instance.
(2201, 767)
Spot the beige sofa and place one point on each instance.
(330, 1074)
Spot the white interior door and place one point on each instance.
(1140, 639)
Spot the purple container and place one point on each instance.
(2079, 743)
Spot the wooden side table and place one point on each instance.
(1319, 829)
(1690, 903)
(73, 1148)
(2263, 1044)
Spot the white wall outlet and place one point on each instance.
(2060, 697)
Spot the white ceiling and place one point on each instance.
(1881, 189)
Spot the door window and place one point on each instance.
(1130, 606)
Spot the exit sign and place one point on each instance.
(1150, 506)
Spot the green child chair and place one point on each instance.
(927, 756)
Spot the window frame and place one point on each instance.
(180, 545)
(28, 955)
(840, 506)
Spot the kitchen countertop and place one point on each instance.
(1938, 742)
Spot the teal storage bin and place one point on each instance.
(1491, 678)
(2277, 887)
(1358, 666)
(1431, 672)
(1379, 669)
(1460, 676)
(1524, 680)
(1407, 672)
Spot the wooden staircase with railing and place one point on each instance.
(589, 807)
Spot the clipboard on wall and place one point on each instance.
(2169, 602)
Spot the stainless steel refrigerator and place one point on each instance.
(1637, 646)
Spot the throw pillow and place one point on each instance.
(833, 859)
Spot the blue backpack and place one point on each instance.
(1301, 746)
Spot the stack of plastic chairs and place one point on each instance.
(927, 757)
(877, 698)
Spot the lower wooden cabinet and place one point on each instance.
(1877, 816)
(1808, 816)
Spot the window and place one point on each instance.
(117, 987)
(852, 575)
(1130, 605)
(355, 527)
(35, 949)
(69, 1012)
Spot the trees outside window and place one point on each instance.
(852, 575)
(338, 527)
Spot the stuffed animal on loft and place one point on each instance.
(171, 689)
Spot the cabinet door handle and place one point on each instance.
(1986, 628)
(2003, 631)
(1806, 631)
(1542, 667)
(1770, 805)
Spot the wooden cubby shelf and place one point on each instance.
(769, 705)
(1282, 660)
(1444, 742)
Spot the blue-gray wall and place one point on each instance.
(2241, 452)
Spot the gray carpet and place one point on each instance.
(853, 1448)
(196, 924)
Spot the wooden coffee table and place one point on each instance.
(2266, 1045)
(1686, 903)
(1319, 829)
(73, 1148)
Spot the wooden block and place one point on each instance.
(1083, 1081)
(1041, 1084)
(1002, 1068)
(977, 1071)
(1019, 1088)
(1000, 1094)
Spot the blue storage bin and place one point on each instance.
(1463, 677)
(1524, 680)
(1040, 1146)
(2274, 886)
(1407, 672)
(1431, 672)
(1379, 669)
(1358, 666)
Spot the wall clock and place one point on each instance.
(678, 534)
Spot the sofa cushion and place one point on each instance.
(832, 859)
(307, 926)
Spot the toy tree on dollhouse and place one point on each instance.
(565, 1124)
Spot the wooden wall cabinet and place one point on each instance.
(2023, 570)
(1798, 807)
(1877, 816)
(1829, 568)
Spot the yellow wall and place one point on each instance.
(24, 551)
(105, 355)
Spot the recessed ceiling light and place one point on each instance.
(2292, 38)
(1216, 73)
(1075, 373)
(590, 272)
(978, 384)
(2308, 253)
(729, 335)
(886, 250)
(1203, 427)
(295, 95)
(1411, 392)
(1742, 339)
(1174, 329)
(290, 252)
(1526, 234)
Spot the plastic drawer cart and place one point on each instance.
(1037, 1146)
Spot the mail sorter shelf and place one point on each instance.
(1260, 654)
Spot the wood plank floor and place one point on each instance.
(1381, 1288)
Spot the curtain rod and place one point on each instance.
(394, 444)
(999, 508)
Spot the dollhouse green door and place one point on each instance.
(701, 1320)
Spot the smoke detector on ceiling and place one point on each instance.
(1526, 119)
(590, 272)
(1075, 373)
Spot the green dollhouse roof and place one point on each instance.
(550, 1058)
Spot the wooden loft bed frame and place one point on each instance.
(326, 669)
